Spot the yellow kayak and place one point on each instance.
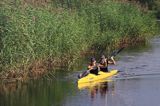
(101, 76)
(92, 84)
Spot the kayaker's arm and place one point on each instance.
(93, 67)
(112, 61)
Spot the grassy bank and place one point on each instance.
(34, 38)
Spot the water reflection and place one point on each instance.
(35, 93)
(9, 88)
(93, 92)
(101, 89)
(104, 89)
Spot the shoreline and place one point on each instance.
(40, 68)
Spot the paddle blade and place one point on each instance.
(85, 73)
(120, 50)
(117, 51)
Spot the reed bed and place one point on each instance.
(56, 33)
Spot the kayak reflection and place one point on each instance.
(101, 90)
(98, 88)
(104, 89)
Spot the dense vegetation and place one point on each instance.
(36, 35)
(153, 5)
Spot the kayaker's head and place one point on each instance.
(103, 57)
(93, 60)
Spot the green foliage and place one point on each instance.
(66, 29)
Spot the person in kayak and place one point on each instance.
(92, 68)
(103, 64)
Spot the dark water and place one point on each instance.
(137, 85)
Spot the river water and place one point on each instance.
(138, 84)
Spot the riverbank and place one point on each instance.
(141, 81)
(36, 39)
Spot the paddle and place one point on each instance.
(113, 54)
(116, 52)
(85, 73)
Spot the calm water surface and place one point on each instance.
(137, 85)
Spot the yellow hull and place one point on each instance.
(91, 85)
(102, 75)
